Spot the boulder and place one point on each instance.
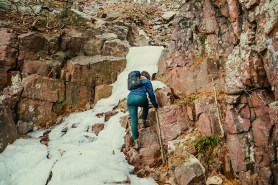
(115, 48)
(173, 121)
(23, 127)
(184, 76)
(168, 16)
(179, 148)
(211, 25)
(109, 114)
(8, 132)
(97, 128)
(262, 156)
(212, 44)
(260, 98)
(203, 105)
(214, 180)
(30, 110)
(89, 70)
(238, 149)
(75, 6)
(93, 46)
(147, 157)
(49, 68)
(252, 69)
(148, 137)
(244, 68)
(72, 43)
(112, 15)
(53, 41)
(234, 12)
(43, 88)
(233, 83)
(190, 172)
(259, 114)
(190, 113)
(207, 116)
(261, 129)
(35, 67)
(108, 36)
(77, 96)
(208, 124)
(8, 49)
(32, 46)
(125, 121)
(149, 153)
(236, 123)
(164, 97)
(12, 93)
(265, 176)
(102, 91)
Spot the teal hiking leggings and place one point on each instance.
(133, 102)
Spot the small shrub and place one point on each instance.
(202, 37)
(205, 143)
(210, 151)
(193, 97)
(181, 103)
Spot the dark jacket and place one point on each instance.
(144, 89)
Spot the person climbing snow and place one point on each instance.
(139, 85)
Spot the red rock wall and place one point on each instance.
(232, 42)
(45, 75)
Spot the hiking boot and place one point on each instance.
(145, 125)
(136, 145)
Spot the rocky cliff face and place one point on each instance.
(45, 77)
(220, 114)
(226, 50)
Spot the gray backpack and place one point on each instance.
(133, 81)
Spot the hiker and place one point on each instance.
(138, 98)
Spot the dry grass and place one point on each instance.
(47, 23)
(140, 14)
(200, 59)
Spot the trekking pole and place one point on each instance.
(159, 137)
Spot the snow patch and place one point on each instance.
(79, 156)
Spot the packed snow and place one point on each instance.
(79, 157)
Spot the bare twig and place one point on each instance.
(35, 22)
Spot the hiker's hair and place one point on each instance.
(146, 74)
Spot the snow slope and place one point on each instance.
(80, 157)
